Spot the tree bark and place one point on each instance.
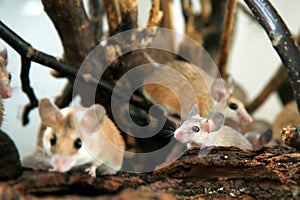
(225, 172)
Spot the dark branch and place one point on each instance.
(96, 11)
(25, 69)
(281, 39)
(31, 54)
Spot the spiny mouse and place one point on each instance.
(77, 136)
(209, 131)
(183, 84)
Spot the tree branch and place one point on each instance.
(96, 11)
(155, 15)
(31, 54)
(168, 14)
(70, 19)
(129, 14)
(25, 62)
(281, 39)
(114, 17)
(278, 78)
(226, 37)
(206, 10)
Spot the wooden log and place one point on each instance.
(225, 172)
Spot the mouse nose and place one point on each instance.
(179, 134)
(62, 163)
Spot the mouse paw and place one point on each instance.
(91, 171)
(52, 170)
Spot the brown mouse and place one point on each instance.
(77, 136)
(183, 84)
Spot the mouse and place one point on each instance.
(5, 89)
(77, 136)
(288, 115)
(196, 130)
(185, 82)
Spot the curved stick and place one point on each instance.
(281, 39)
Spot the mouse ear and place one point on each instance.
(215, 122)
(218, 91)
(93, 118)
(49, 113)
(194, 112)
(3, 55)
(230, 84)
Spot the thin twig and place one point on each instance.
(278, 78)
(27, 89)
(155, 15)
(31, 54)
(67, 95)
(281, 39)
(168, 14)
(226, 38)
(275, 82)
(206, 10)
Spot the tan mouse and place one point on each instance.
(77, 136)
(188, 83)
(209, 132)
(288, 114)
(5, 90)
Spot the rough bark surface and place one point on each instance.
(224, 173)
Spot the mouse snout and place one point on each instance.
(62, 163)
(5, 90)
(179, 134)
(244, 116)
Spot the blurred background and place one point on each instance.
(252, 61)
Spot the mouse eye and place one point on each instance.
(9, 76)
(53, 140)
(77, 143)
(196, 129)
(233, 106)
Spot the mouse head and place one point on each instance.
(194, 125)
(62, 140)
(5, 90)
(235, 109)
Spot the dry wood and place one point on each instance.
(278, 78)
(282, 40)
(96, 13)
(129, 11)
(226, 38)
(70, 19)
(206, 10)
(290, 136)
(114, 18)
(225, 172)
(155, 15)
(168, 14)
(211, 29)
